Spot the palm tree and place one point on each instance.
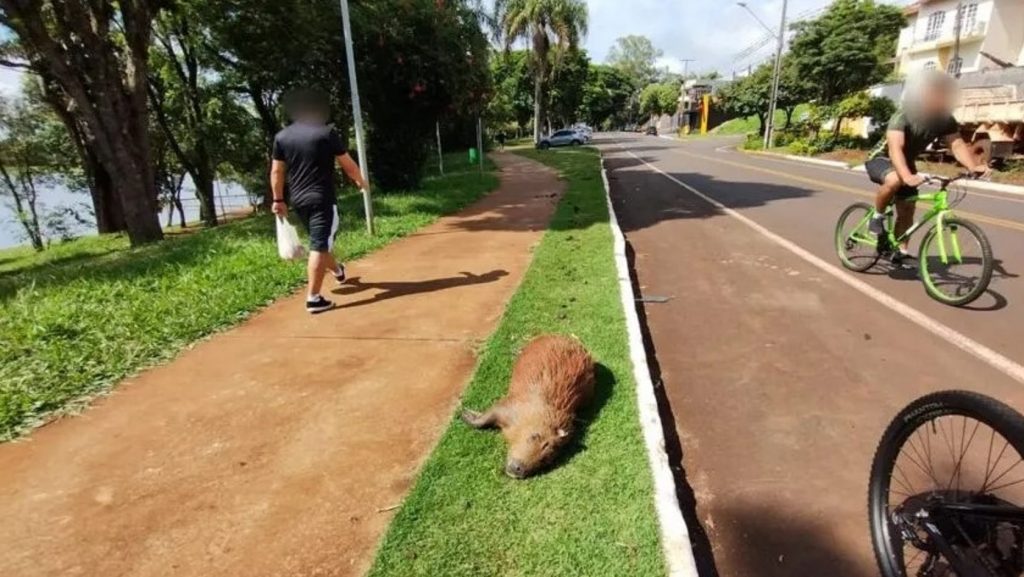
(544, 24)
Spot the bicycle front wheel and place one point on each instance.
(856, 246)
(956, 262)
(942, 460)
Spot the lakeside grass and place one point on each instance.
(78, 318)
(593, 514)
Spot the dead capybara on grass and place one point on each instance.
(552, 378)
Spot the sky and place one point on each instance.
(711, 32)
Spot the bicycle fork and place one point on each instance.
(954, 241)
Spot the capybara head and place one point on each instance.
(533, 444)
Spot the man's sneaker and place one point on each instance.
(340, 274)
(318, 305)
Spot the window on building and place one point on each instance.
(930, 65)
(934, 28)
(968, 17)
(955, 65)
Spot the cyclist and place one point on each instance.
(925, 116)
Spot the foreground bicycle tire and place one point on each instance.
(886, 538)
(859, 212)
(956, 224)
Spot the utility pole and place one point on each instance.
(959, 32)
(769, 138)
(686, 66)
(357, 114)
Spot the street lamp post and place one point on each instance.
(357, 115)
(769, 136)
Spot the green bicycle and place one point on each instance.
(955, 260)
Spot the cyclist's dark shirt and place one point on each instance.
(309, 151)
(919, 133)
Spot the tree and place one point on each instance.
(847, 48)
(636, 57)
(97, 54)
(542, 23)
(749, 96)
(659, 99)
(861, 105)
(33, 154)
(568, 84)
(512, 100)
(606, 96)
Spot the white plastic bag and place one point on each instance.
(289, 247)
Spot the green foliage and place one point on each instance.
(606, 96)
(658, 99)
(592, 515)
(544, 24)
(512, 101)
(636, 57)
(77, 319)
(846, 49)
(822, 143)
(568, 86)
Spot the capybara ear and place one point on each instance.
(562, 433)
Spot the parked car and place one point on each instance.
(651, 131)
(565, 137)
(585, 131)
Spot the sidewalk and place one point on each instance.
(280, 447)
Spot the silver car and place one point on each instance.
(565, 137)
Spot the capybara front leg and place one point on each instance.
(492, 418)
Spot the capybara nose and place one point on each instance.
(515, 469)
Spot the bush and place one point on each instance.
(754, 142)
(823, 143)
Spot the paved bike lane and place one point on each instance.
(780, 379)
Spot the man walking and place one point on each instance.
(304, 156)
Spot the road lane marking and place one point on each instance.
(1011, 224)
(950, 335)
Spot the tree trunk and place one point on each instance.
(105, 203)
(789, 117)
(761, 125)
(538, 105)
(838, 127)
(203, 181)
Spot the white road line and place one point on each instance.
(675, 535)
(953, 337)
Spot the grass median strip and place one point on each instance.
(592, 515)
(76, 319)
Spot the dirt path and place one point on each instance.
(282, 446)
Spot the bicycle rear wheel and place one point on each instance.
(856, 245)
(956, 262)
(948, 449)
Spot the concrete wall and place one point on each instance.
(1005, 39)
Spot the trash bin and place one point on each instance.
(474, 156)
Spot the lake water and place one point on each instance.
(229, 197)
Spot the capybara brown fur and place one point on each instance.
(552, 379)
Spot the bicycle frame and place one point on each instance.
(938, 211)
(949, 515)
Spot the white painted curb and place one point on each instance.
(969, 185)
(675, 535)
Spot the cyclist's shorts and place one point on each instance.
(879, 167)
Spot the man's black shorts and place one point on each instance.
(879, 167)
(321, 223)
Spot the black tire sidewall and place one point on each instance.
(1003, 419)
(838, 242)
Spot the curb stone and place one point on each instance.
(675, 535)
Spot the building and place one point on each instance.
(991, 36)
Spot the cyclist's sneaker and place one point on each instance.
(318, 304)
(902, 257)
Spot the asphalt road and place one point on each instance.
(779, 368)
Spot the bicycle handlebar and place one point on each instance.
(945, 181)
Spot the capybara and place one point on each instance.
(552, 378)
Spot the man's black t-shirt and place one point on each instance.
(309, 151)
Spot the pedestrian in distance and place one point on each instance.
(305, 153)
(500, 137)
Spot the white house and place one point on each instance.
(991, 36)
